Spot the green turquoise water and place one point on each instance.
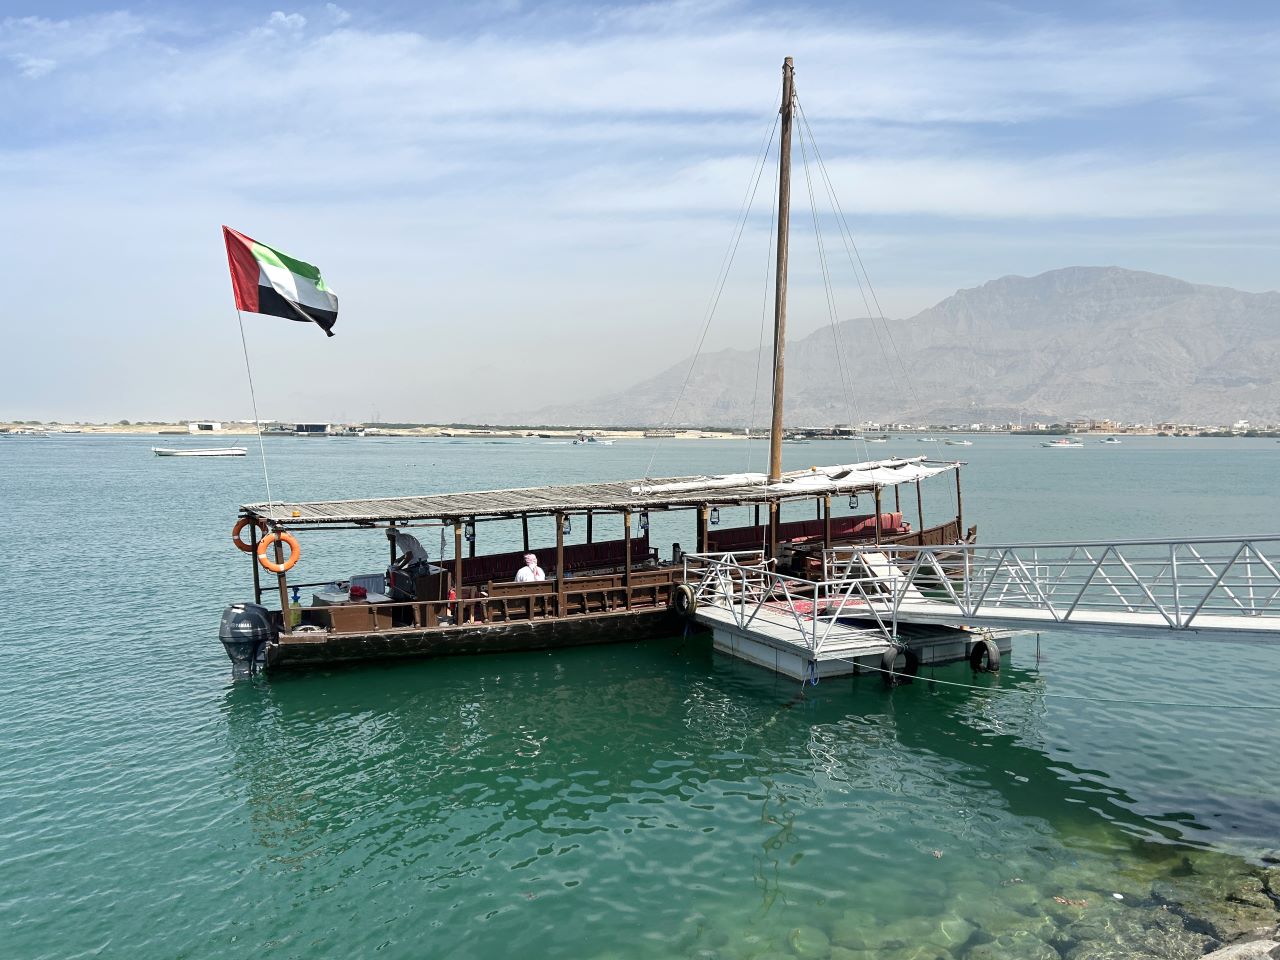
(632, 800)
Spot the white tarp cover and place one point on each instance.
(833, 479)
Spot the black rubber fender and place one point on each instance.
(892, 676)
(984, 656)
(683, 600)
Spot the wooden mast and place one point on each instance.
(780, 280)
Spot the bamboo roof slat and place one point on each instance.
(638, 495)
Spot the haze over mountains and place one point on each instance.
(1077, 342)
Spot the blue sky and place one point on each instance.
(526, 203)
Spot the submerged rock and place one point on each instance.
(1255, 950)
(809, 943)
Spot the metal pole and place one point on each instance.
(780, 278)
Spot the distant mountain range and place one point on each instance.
(1077, 342)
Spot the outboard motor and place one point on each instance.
(245, 631)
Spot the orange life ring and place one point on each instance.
(285, 537)
(240, 525)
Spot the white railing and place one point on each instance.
(750, 589)
(1189, 584)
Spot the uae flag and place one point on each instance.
(268, 281)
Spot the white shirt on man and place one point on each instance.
(408, 544)
(530, 572)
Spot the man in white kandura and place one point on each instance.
(530, 571)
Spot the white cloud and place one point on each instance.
(33, 67)
(595, 167)
(288, 21)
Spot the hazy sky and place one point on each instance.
(522, 203)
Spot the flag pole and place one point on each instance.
(257, 424)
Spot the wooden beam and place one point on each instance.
(253, 559)
(285, 626)
(919, 506)
(524, 523)
(475, 535)
(877, 514)
(826, 522)
(700, 535)
(774, 509)
(959, 506)
(780, 275)
(589, 526)
(457, 570)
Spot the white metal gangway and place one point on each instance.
(1212, 588)
(1219, 588)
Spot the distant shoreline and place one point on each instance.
(569, 433)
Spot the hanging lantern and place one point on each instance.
(853, 501)
(715, 516)
(644, 522)
(567, 527)
(469, 531)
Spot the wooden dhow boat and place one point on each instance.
(592, 590)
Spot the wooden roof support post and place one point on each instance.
(626, 535)
(878, 515)
(391, 540)
(559, 564)
(589, 539)
(959, 506)
(457, 569)
(919, 507)
(700, 537)
(897, 500)
(285, 625)
(775, 509)
(471, 544)
(524, 524)
(253, 559)
(826, 522)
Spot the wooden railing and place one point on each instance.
(501, 603)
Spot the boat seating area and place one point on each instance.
(861, 527)
(578, 558)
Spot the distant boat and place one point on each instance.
(1062, 442)
(926, 439)
(1111, 440)
(877, 439)
(33, 434)
(959, 443)
(215, 452)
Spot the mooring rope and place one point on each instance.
(1068, 696)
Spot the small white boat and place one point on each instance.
(926, 439)
(877, 439)
(1111, 440)
(215, 452)
(1062, 442)
(959, 443)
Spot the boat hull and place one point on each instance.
(301, 650)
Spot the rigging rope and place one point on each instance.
(764, 316)
(257, 424)
(725, 266)
(851, 250)
(832, 309)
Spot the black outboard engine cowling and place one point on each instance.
(245, 630)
